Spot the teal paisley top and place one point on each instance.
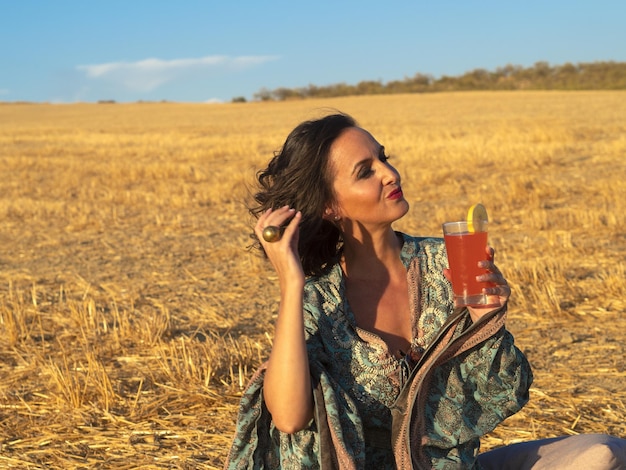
(424, 408)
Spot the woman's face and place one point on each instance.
(366, 187)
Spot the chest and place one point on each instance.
(382, 308)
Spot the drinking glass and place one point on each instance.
(466, 247)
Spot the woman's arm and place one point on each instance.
(287, 384)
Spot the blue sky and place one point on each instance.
(198, 51)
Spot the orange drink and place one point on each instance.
(466, 244)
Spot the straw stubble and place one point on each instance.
(132, 313)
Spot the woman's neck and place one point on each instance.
(372, 257)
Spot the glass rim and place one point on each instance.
(463, 224)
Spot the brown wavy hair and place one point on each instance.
(299, 176)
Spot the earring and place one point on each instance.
(336, 218)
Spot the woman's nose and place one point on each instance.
(390, 175)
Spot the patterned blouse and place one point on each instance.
(375, 409)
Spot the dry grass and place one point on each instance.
(131, 313)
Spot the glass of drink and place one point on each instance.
(466, 245)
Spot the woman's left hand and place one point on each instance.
(498, 290)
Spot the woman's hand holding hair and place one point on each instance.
(287, 384)
(283, 253)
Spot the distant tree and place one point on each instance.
(540, 76)
(263, 95)
(283, 94)
(239, 99)
(369, 88)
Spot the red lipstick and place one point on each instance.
(395, 194)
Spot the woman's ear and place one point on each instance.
(331, 215)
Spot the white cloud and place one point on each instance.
(149, 74)
(4, 91)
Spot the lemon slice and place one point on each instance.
(476, 218)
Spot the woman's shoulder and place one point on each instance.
(408, 238)
(330, 276)
(325, 288)
(427, 248)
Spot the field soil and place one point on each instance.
(132, 311)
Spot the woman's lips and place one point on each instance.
(395, 194)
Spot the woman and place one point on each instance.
(371, 366)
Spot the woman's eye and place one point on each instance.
(365, 172)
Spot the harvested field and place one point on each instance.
(132, 314)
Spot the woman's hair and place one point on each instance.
(299, 176)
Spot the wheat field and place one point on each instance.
(132, 312)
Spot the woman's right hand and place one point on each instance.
(283, 253)
(287, 382)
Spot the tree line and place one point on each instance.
(540, 76)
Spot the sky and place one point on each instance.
(65, 51)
